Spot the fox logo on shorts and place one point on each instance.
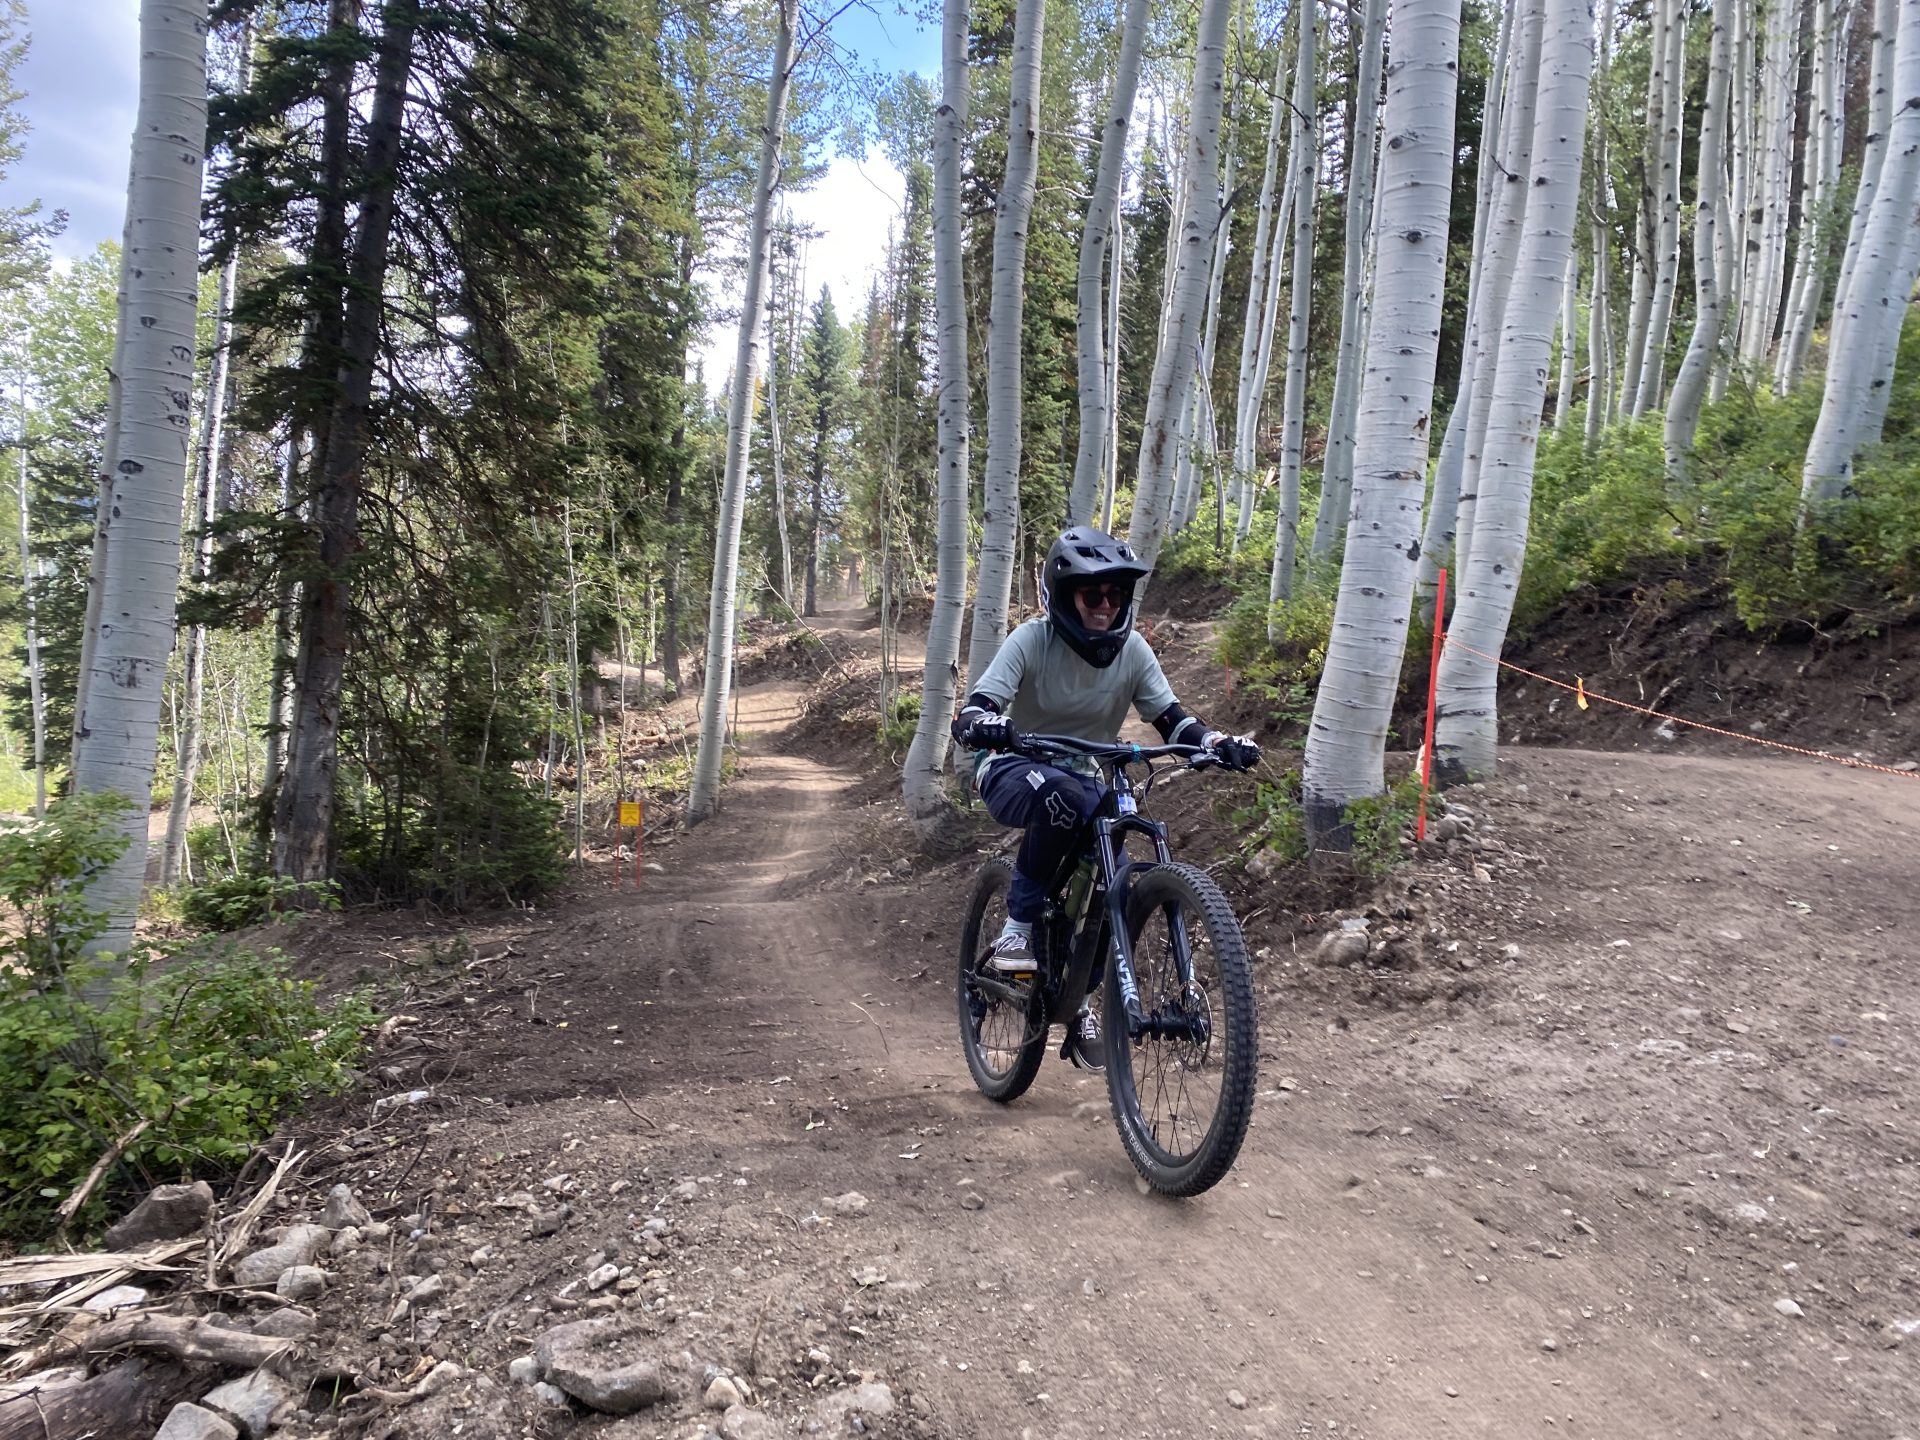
(1061, 814)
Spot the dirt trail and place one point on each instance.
(1655, 1078)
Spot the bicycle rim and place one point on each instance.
(1004, 1041)
(1183, 1103)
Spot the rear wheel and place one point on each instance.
(1182, 1101)
(1003, 1018)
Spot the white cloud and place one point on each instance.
(852, 206)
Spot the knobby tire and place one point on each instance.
(1004, 1046)
(1156, 1083)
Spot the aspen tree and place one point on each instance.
(703, 797)
(1465, 737)
(209, 462)
(1506, 233)
(1256, 329)
(1192, 245)
(1569, 344)
(1346, 741)
(30, 608)
(1766, 239)
(117, 722)
(1303, 144)
(1644, 245)
(1096, 236)
(1866, 335)
(1336, 474)
(1436, 543)
(1689, 389)
(928, 754)
(1666, 235)
(994, 583)
(1820, 180)
(1880, 54)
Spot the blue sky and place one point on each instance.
(81, 78)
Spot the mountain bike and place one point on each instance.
(1159, 944)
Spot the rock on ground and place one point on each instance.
(592, 1361)
(343, 1210)
(297, 1246)
(187, 1421)
(167, 1213)
(252, 1401)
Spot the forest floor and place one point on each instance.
(1624, 1145)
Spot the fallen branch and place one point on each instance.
(130, 1399)
(45, 1269)
(70, 1206)
(637, 1114)
(888, 1049)
(243, 1224)
(196, 1338)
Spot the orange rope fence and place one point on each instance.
(1582, 695)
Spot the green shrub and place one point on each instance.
(1609, 515)
(1285, 674)
(208, 1048)
(899, 723)
(1275, 821)
(234, 902)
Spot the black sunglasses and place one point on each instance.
(1107, 594)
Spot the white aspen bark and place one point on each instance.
(1116, 268)
(1645, 243)
(1336, 472)
(1257, 328)
(1436, 539)
(1506, 233)
(1263, 350)
(211, 461)
(1303, 143)
(1464, 741)
(1346, 741)
(1095, 236)
(1733, 220)
(1865, 337)
(1173, 366)
(994, 583)
(1879, 116)
(703, 797)
(775, 449)
(1690, 387)
(927, 757)
(115, 734)
(1880, 388)
(1766, 280)
(1599, 335)
(1653, 366)
(1569, 343)
(30, 606)
(1821, 172)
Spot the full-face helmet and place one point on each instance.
(1086, 556)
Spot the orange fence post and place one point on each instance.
(1433, 685)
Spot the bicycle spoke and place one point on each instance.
(1177, 1083)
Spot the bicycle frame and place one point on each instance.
(1109, 891)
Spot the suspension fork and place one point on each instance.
(1117, 873)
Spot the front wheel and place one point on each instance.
(1182, 1098)
(1003, 1019)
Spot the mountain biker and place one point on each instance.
(1073, 672)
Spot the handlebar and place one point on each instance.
(1046, 747)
